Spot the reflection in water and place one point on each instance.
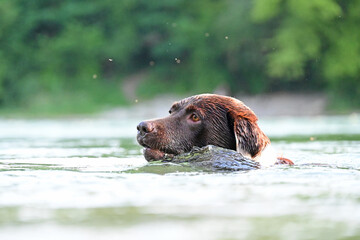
(85, 179)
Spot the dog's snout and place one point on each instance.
(145, 127)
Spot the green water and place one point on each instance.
(87, 179)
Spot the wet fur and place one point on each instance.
(224, 121)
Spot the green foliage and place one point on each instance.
(322, 33)
(71, 55)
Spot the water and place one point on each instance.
(78, 179)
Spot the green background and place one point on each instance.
(74, 56)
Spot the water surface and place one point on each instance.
(80, 179)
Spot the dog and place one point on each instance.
(207, 119)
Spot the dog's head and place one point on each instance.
(201, 120)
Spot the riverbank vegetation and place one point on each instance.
(73, 56)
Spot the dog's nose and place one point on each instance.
(145, 127)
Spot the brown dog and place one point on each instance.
(207, 119)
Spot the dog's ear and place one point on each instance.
(250, 140)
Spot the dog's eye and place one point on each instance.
(170, 111)
(194, 117)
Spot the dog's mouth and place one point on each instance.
(154, 153)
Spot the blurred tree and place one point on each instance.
(73, 55)
(318, 35)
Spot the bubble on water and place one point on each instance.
(94, 76)
(226, 37)
(110, 60)
(151, 63)
(177, 60)
(207, 34)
